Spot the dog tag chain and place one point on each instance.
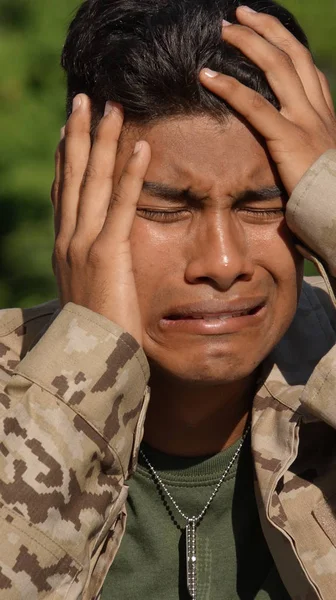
(193, 522)
(191, 543)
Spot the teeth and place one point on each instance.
(222, 318)
(226, 317)
(212, 317)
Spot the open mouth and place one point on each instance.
(215, 316)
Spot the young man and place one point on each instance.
(182, 218)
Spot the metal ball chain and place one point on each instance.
(158, 479)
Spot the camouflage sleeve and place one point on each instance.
(71, 418)
(311, 210)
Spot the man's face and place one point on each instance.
(216, 271)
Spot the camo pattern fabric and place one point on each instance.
(69, 413)
(73, 399)
(294, 416)
(304, 209)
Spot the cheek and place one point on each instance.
(273, 248)
(157, 259)
(275, 253)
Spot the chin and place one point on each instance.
(200, 373)
(217, 360)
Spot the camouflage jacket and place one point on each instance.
(73, 398)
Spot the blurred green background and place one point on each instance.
(32, 91)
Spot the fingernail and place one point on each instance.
(210, 73)
(226, 23)
(247, 9)
(138, 147)
(108, 108)
(77, 102)
(62, 136)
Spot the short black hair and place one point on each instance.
(147, 55)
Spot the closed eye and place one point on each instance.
(262, 213)
(171, 215)
(162, 215)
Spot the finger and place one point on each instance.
(98, 184)
(56, 189)
(122, 210)
(76, 156)
(278, 35)
(326, 91)
(275, 63)
(262, 115)
(57, 180)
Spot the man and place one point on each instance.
(182, 218)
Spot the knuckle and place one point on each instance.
(117, 199)
(59, 253)
(75, 252)
(258, 101)
(68, 172)
(90, 173)
(284, 45)
(96, 255)
(282, 59)
(94, 174)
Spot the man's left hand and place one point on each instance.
(305, 127)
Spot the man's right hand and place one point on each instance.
(94, 218)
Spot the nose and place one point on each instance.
(219, 252)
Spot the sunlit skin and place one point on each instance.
(214, 245)
(192, 224)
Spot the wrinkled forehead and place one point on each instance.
(202, 152)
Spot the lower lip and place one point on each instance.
(213, 326)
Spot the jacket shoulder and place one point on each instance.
(316, 290)
(20, 328)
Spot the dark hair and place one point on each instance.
(147, 54)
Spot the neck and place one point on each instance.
(188, 420)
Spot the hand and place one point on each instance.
(305, 127)
(93, 222)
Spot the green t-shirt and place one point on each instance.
(233, 559)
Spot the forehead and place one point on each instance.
(202, 153)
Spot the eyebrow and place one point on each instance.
(167, 192)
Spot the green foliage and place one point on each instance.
(318, 20)
(32, 112)
(31, 115)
